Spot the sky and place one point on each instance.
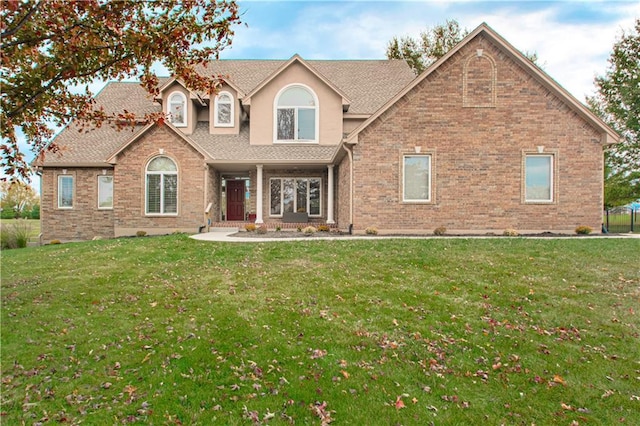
(573, 39)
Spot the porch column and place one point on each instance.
(330, 195)
(259, 194)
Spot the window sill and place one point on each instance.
(295, 142)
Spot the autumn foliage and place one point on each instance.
(51, 50)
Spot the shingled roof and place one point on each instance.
(369, 84)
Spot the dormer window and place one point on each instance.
(296, 115)
(177, 109)
(224, 110)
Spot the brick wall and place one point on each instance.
(477, 146)
(84, 220)
(343, 194)
(129, 185)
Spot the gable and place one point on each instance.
(481, 84)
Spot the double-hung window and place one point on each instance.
(416, 178)
(162, 187)
(538, 172)
(105, 192)
(65, 192)
(223, 110)
(296, 115)
(295, 195)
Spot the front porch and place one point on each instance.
(276, 197)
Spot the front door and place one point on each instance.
(235, 200)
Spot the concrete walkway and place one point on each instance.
(227, 236)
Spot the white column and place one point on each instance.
(330, 195)
(259, 194)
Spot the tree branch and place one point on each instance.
(25, 18)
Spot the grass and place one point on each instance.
(168, 330)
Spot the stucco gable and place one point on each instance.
(609, 135)
(296, 59)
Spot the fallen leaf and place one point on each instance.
(559, 379)
(399, 404)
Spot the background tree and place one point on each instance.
(51, 48)
(430, 46)
(617, 102)
(433, 44)
(18, 199)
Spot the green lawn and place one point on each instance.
(168, 330)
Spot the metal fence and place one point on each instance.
(621, 219)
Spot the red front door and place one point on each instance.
(235, 200)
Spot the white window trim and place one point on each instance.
(232, 117)
(552, 177)
(110, 207)
(430, 183)
(73, 190)
(146, 188)
(186, 108)
(295, 132)
(295, 199)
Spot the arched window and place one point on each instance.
(224, 110)
(162, 186)
(177, 109)
(296, 115)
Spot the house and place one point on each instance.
(482, 141)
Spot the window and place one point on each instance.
(162, 187)
(105, 192)
(224, 110)
(177, 109)
(538, 170)
(295, 195)
(296, 115)
(416, 178)
(65, 192)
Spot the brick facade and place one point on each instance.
(84, 220)
(129, 185)
(478, 152)
(477, 114)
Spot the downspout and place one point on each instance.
(350, 154)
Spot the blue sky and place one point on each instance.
(573, 39)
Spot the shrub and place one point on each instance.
(15, 235)
(35, 212)
(310, 230)
(440, 230)
(584, 230)
(7, 239)
(278, 229)
(323, 228)
(250, 227)
(510, 233)
(299, 229)
(262, 229)
(371, 230)
(141, 233)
